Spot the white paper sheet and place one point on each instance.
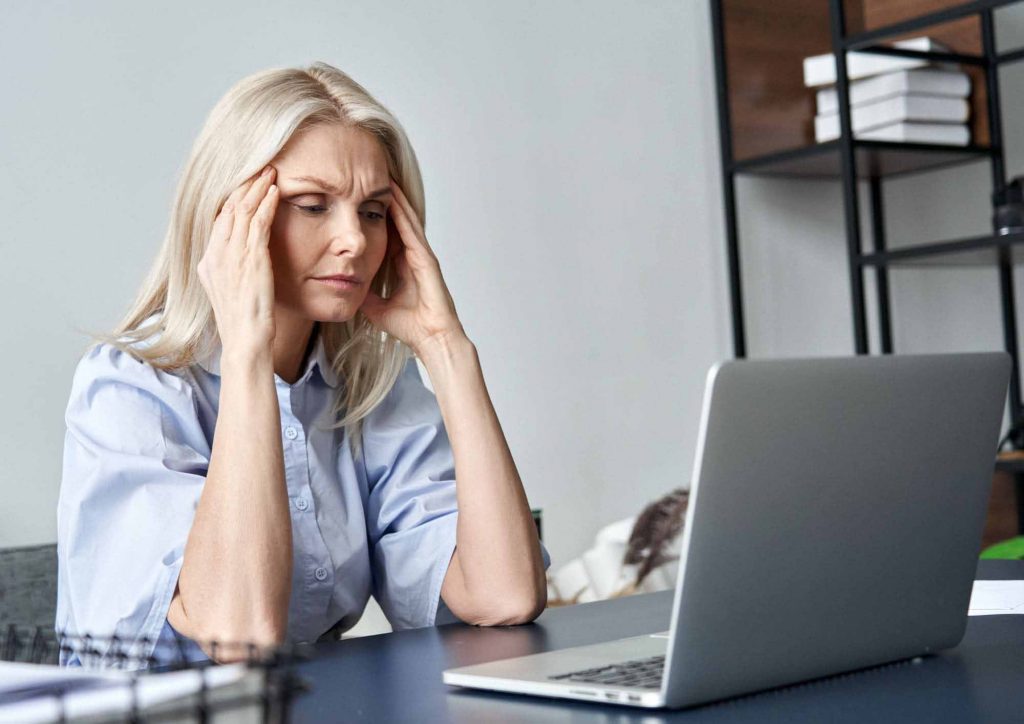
(990, 598)
(18, 679)
(109, 697)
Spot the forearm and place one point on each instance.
(497, 573)
(235, 582)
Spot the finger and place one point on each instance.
(420, 253)
(402, 277)
(262, 219)
(373, 307)
(427, 284)
(400, 198)
(233, 199)
(239, 191)
(420, 237)
(245, 208)
(221, 231)
(258, 189)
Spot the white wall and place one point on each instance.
(570, 158)
(568, 151)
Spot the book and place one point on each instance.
(821, 69)
(946, 134)
(932, 109)
(918, 81)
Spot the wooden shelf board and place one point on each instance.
(915, 17)
(874, 158)
(1011, 461)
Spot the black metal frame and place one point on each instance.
(728, 184)
(880, 258)
(276, 687)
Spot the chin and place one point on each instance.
(338, 312)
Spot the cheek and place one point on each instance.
(286, 251)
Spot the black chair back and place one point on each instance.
(28, 586)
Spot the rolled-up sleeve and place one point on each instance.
(412, 509)
(135, 461)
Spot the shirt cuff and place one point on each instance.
(437, 607)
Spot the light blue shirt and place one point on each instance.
(136, 453)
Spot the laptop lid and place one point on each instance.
(835, 517)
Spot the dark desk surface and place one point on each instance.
(396, 677)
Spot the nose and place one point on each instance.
(347, 236)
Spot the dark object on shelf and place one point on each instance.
(1008, 208)
(1012, 441)
(264, 692)
(1005, 507)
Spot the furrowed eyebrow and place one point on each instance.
(386, 191)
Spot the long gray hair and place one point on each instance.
(245, 130)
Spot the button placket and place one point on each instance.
(292, 459)
(294, 433)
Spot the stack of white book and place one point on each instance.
(893, 98)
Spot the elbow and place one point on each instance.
(528, 606)
(229, 644)
(232, 638)
(495, 602)
(535, 606)
(523, 615)
(511, 611)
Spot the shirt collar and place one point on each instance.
(318, 358)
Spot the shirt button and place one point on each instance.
(321, 574)
(291, 433)
(301, 504)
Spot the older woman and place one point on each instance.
(252, 453)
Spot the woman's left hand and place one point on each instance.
(420, 311)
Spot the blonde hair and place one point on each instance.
(245, 130)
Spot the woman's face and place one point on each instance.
(331, 219)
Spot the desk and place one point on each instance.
(396, 677)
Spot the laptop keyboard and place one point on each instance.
(639, 673)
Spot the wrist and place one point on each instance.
(444, 349)
(248, 363)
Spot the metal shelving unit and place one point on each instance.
(755, 47)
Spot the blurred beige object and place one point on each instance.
(651, 540)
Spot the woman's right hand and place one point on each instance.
(236, 271)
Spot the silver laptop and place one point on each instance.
(835, 519)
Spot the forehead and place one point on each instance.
(335, 153)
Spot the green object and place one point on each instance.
(536, 512)
(1012, 549)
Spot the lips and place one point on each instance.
(341, 278)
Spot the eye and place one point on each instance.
(375, 215)
(310, 207)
